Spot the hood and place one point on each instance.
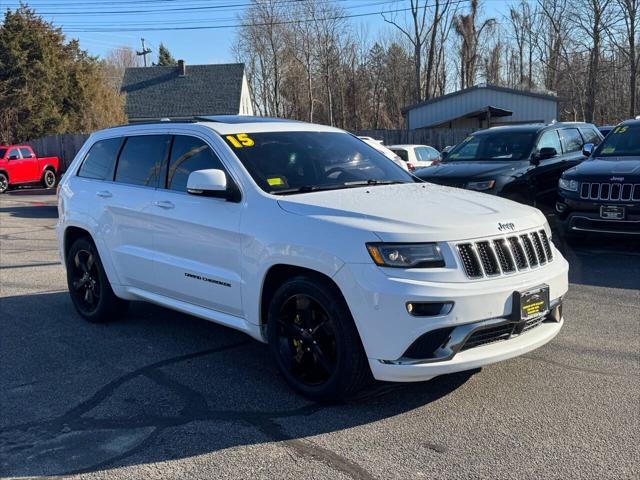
(416, 212)
(468, 169)
(611, 166)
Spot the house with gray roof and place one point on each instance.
(483, 106)
(184, 92)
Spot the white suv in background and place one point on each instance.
(305, 237)
(416, 156)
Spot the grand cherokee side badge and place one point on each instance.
(506, 226)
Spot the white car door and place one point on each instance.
(197, 239)
(129, 204)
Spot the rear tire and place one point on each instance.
(315, 341)
(49, 179)
(89, 286)
(4, 183)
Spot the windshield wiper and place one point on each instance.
(372, 181)
(316, 188)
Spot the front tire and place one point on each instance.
(89, 286)
(4, 183)
(315, 341)
(49, 179)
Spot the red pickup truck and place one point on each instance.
(20, 166)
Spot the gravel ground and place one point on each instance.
(160, 395)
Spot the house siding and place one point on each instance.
(525, 108)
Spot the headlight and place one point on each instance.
(570, 185)
(480, 186)
(406, 255)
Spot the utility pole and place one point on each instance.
(145, 51)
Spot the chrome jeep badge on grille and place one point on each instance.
(506, 226)
(617, 179)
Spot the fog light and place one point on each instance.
(429, 309)
(560, 207)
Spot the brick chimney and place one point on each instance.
(182, 68)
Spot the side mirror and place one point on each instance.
(587, 149)
(547, 152)
(211, 183)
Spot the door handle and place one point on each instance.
(104, 194)
(165, 205)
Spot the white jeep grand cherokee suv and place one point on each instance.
(307, 238)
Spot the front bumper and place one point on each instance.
(468, 359)
(378, 303)
(583, 216)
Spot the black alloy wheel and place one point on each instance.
(89, 287)
(49, 179)
(86, 281)
(314, 339)
(4, 183)
(307, 340)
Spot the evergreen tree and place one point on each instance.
(47, 85)
(165, 59)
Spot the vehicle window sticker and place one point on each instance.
(608, 150)
(276, 182)
(240, 140)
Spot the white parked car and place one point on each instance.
(303, 237)
(378, 145)
(416, 156)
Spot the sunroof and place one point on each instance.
(242, 119)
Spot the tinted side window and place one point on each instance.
(422, 154)
(188, 155)
(590, 136)
(433, 153)
(100, 160)
(571, 140)
(13, 153)
(142, 160)
(26, 153)
(402, 154)
(550, 139)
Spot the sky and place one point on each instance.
(185, 26)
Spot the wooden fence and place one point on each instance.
(64, 147)
(435, 137)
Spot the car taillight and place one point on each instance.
(436, 161)
(410, 166)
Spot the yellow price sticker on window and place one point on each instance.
(608, 150)
(275, 181)
(622, 129)
(240, 140)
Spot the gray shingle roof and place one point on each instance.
(157, 92)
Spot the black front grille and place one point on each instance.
(500, 332)
(470, 260)
(487, 258)
(504, 255)
(545, 244)
(528, 249)
(610, 191)
(489, 335)
(537, 243)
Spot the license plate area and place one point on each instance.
(530, 304)
(612, 212)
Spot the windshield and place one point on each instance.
(623, 141)
(494, 146)
(296, 162)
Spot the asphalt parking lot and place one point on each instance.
(160, 395)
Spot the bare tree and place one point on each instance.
(416, 34)
(470, 34)
(630, 10)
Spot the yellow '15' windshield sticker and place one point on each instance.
(240, 140)
(622, 129)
